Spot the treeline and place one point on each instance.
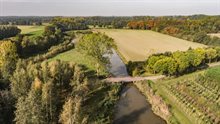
(176, 63)
(193, 29)
(8, 31)
(107, 22)
(29, 46)
(24, 20)
(53, 51)
(67, 24)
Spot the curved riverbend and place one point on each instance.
(132, 107)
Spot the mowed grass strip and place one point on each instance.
(137, 45)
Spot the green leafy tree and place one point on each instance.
(166, 66)
(211, 54)
(97, 45)
(195, 58)
(182, 61)
(218, 53)
(151, 62)
(49, 30)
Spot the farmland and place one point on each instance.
(191, 93)
(137, 45)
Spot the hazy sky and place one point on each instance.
(108, 7)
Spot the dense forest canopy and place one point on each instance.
(24, 20)
(67, 24)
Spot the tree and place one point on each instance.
(30, 109)
(71, 111)
(67, 24)
(21, 79)
(98, 46)
(218, 53)
(199, 37)
(61, 72)
(195, 58)
(211, 54)
(50, 101)
(8, 31)
(151, 62)
(166, 66)
(49, 30)
(182, 61)
(6, 107)
(8, 58)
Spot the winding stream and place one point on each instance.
(132, 107)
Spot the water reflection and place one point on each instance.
(132, 108)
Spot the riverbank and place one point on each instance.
(132, 108)
(158, 105)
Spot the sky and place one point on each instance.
(108, 7)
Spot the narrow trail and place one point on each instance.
(214, 64)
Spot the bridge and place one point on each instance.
(133, 79)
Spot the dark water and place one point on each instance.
(118, 68)
(132, 107)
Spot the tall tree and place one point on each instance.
(71, 111)
(30, 109)
(8, 58)
(50, 101)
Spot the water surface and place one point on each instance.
(132, 107)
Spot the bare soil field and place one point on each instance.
(137, 45)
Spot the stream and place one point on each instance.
(132, 107)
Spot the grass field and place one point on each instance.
(76, 57)
(31, 30)
(137, 45)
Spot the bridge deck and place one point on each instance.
(133, 79)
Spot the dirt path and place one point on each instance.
(214, 64)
